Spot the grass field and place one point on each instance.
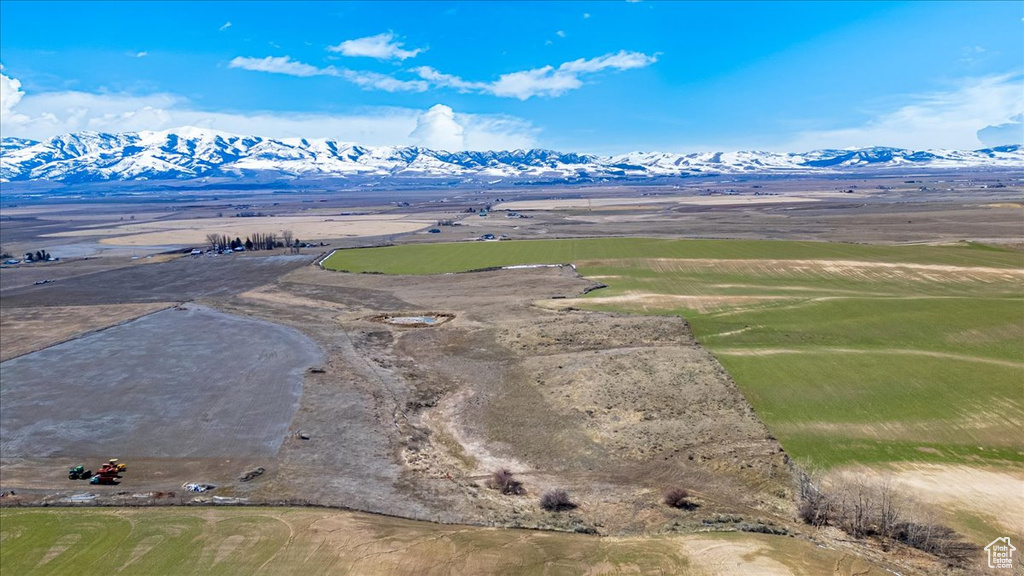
(850, 353)
(228, 541)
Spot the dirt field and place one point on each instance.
(601, 203)
(186, 382)
(193, 232)
(24, 330)
(179, 280)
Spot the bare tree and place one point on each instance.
(890, 508)
(287, 236)
(815, 507)
(213, 239)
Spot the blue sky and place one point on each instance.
(602, 77)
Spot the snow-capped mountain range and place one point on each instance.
(188, 153)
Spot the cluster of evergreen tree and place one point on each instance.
(38, 256)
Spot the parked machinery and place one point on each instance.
(109, 473)
(79, 473)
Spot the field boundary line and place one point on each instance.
(839, 350)
(320, 262)
(97, 330)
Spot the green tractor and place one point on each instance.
(79, 473)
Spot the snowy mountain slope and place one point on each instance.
(195, 152)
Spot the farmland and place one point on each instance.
(874, 361)
(850, 353)
(305, 541)
(144, 399)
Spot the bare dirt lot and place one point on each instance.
(186, 382)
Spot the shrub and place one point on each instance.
(556, 501)
(502, 481)
(679, 498)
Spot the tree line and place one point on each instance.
(877, 510)
(256, 241)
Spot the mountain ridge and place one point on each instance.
(189, 152)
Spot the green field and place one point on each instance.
(244, 541)
(850, 353)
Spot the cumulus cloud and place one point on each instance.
(40, 116)
(381, 46)
(10, 93)
(1011, 132)
(437, 128)
(953, 118)
(544, 81)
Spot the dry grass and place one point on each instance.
(996, 493)
(194, 231)
(24, 330)
(303, 541)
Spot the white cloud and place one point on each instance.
(281, 65)
(1011, 132)
(142, 54)
(10, 93)
(374, 80)
(364, 79)
(437, 128)
(382, 47)
(586, 15)
(560, 33)
(448, 80)
(621, 60)
(225, 26)
(545, 81)
(947, 119)
(40, 116)
(497, 132)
